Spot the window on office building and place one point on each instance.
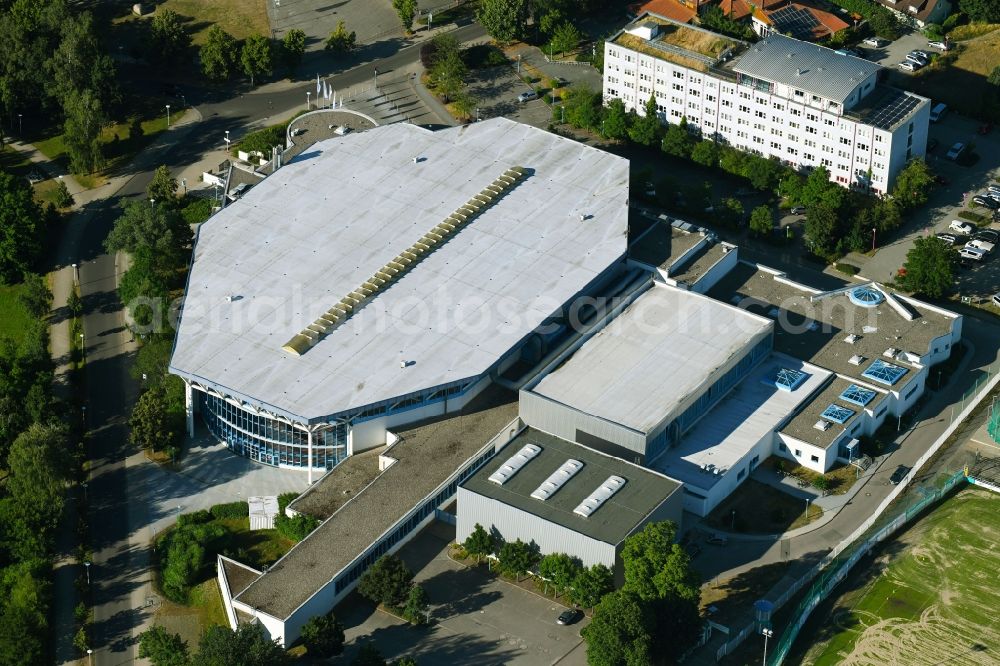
(815, 459)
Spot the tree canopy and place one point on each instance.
(323, 636)
(218, 54)
(479, 542)
(621, 631)
(163, 648)
(293, 47)
(388, 582)
(168, 38)
(21, 228)
(406, 10)
(341, 40)
(247, 646)
(148, 225)
(504, 20)
(930, 267)
(255, 57)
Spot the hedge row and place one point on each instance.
(230, 510)
(972, 217)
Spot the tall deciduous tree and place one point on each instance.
(247, 646)
(168, 38)
(218, 54)
(517, 557)
(36, 483)
(82, 131)
(388, 582)
(821, 230)
(646, 129)
(986, 11)
(565, 38)
(80, 64)
(615, 123)
(448, 70)
(152, 426)
(147, 225)
(621, 632)
(256, 57)
(406, 10)
(677, 141)
(323, 636)
(561, 569)
(656, 567)
(505, 20)
(21, 228)
(293, 47)
(341, 40)
(163, 187)
(913, 183)
(761, 220)
(930, 267)
(163, 648)
(591, 584)
(479, 543)
(415, 608)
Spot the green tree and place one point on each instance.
(583, 107)
(790, 186)
(645, 129)
(405, 661)
(591, 584)
(156, 227)
(168, 39)
(406, 10)
(479, 543)
(765, 173)
(762, 220)
(821, 230)
(561, 569)
(79, 64)
(706, 153)
(415, 608)
(35, 295)
(163, 648)
(677, 141)
(255, 57)
(818, 190)
(883, 22)
(25, 591)
(82, 131)
(504, 20)
(565, 38)
(341, 40)
(143, 290)
(63, 199)
(656, 567)
(323, 636)
(615, 123)
(74, 303)
(387, 582)
(247, 646)
(368, 655)
(35, 486)
(985, 11)
(621, 631)
(293, 47)
(151, 424)
(994, 77)
(930, 267)
(218, 54)
(913, 183)
(162, 188)
(517, 557)
(731, 212)
(448, 70)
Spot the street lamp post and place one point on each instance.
(20, 125)
(184, 184)
(562, 110)
(168, 115)
(86, 565)
(308, 95)
(477, 114)
(767, 634)
(76, 273)
(376, 79)
(90, 656)
(227, 141)
(873, 239)
(152, 202)
(808, 499)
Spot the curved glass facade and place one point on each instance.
(269, 441)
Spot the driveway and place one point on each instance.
(895, 52)
(475, 618)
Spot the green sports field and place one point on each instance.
(931, 597)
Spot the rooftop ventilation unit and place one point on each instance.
(890, 352)
(852, 338)
(597, 498)
(514, 464)
(857, 359)
(556, 480)
(822, 425)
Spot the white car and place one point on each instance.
(527, 96)
(961, 227)
(985, 246)
(910, 66)
(971, 253)
(875, 42)
(994, 189)
(938, 45)
(956, 151)
(917, 59)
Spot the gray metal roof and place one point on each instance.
(652, 357)
(305, 237)
(808, 67)
(644, 489)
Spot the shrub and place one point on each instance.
(297, 528)
(848, 269)
(323, 636)
(553, 83)
(547, 98)
(952, 21)
(387, 582)
(972, 217)
(63, 198)
(230, 510)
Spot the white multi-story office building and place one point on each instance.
(803, 104)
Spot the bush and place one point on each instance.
(230, 510)
(387, 582)
(297, 528)
(972, 217)
(483, 55)
(848, 269)
(63, 198)
(323, 636)
(552, 83)
(263, 140)
(547, 98)
(952, 21)
(196, 210)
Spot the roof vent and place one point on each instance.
(798, 72)
(852, 338)
(822, 425)
(857, 359)
(890, 352)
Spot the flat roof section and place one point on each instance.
(802, 426)
(694, 268)
(663, 243)
(644, 490)
(238, 575)
(817, 331)
(727, 433)
(676, 42)
(294, 245)
(339, 485)
(649, 358)
(808, 67)
(427, 454)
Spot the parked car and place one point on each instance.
(987, 235)
(909, 66)
(717, 540)
(972, 254)
(983, 245)
(798, 210)
(875, 42)
(527, 95)
(900, 474)
(923, 54)
(956, 151)
(986, 202)
(917, 60)
(961, 227)
(943, 46)
(947, 238)
(995, 300)
(993, 189)
(569, 616)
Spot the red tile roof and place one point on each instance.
(671, 9)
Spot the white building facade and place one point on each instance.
(800, 103)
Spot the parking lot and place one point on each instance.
(476, 618)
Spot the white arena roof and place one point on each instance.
(653, 356)
(267, 266)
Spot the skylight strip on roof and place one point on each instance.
(596, 499)
(557, 479)
(515, 463)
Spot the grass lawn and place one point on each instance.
(240, 18)
(14, 162)
(962, 85)
(118, 148)
(206, 610)
(263, 547)
(930, 597)
(839, 479)
(761, 509)
(14, 317)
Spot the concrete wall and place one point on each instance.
(718, 270)
(802, 453)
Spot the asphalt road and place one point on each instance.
(120, 568)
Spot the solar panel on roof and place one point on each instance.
(837, 414)
(857, 395)
(798, 21)
(884, 373)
